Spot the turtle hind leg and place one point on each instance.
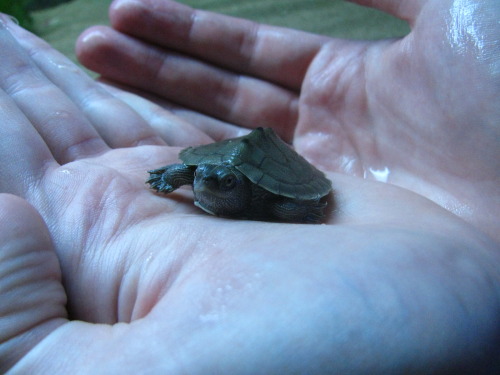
(297, 211)
(171, 177)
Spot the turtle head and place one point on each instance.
(221, 189)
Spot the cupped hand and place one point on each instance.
(421, 112)
(154, 285)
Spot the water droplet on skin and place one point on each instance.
(381, 175)
(63, 65)
(468, 26)
(348, 165)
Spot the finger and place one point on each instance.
(271, 53)
(217, 130)
(32, 298)
(25, 156)
(174, 130)
(178, 126)
(233, 98)
(60, 123)
(117, 123)
(407, 10)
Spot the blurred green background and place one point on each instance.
(61, 21)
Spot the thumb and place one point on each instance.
(35, 334)
(32, 298)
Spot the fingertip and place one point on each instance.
(125, 12)
(6, 19)
(151, 20)
(119, 5)
(90, 45)
(91, 37)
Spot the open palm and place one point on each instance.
(203, 294)
(420, 112)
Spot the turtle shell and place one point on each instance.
(265, 160)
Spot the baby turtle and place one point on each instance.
(256, 177)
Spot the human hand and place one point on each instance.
(420, 112)
(200, 294)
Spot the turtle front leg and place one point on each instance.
(171, 177)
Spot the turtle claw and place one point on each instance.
(170, 178)
(157, 183)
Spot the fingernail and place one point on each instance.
(118, 4)
(7, 18)
(92, 35)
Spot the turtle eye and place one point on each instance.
(228, 181)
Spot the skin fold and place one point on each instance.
(98, 274)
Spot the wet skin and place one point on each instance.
(403, 276)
